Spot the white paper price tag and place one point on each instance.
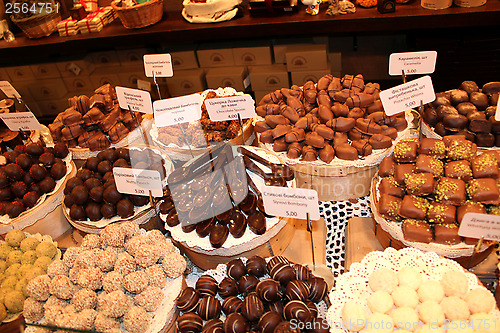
(138, 181)
(475, 225)
(423, 62)
(227, 108)
(497, 114)
(138, 100)
(407, 95)
(9, 90)
(290, 202)
(177, 110)
(21, 121)
(160, 64)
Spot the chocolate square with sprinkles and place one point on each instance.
(450, 191)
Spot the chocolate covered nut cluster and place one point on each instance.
(429, 186)
(94, 122)
(92, 193)
(255, 297)
(337, 117)
(468, 110)
(29, 171)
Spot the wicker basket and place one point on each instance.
(39, 25)
(141, 15)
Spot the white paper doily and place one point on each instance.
(353, 285)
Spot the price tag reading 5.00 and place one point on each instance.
(138, 181)
(177, 110)
(475, 225)
(290, 202)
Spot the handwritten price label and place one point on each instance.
(9, 90)
(138, 181)
(160, 64)
(477, 225)
(290, 202)
(408, 95)
(177, 110)
(228, 108)
(138, 100)
(423, 62)
(21, 121)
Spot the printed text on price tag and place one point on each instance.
(138, 100)
(407, 95)
(227, 108)
(497, 114)
(177, 110)
(423, 62)
(21, 121)
(475, 225)
(138, 181)
(9, 90)
(160, 64)
(290, 202)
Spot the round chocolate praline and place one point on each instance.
(96, 194)
(92, 163)
(36, 187)
(166, 206)
(111, 195)
(61, 150)
(228, 287)
(93, 211)
(15, 209)
(189, 322)
(297, 310)
(5, 194)
(84, 174)
(269, 321)
(68, 202)
(286, 327)
(92, 183)
(71, 184)
(139, 200)
(30, 199)
(301, 272)
(235, 323)
(14, 171)
(38, 172)
(11, 155)
(268, 290)
(24, 161)
(104, 166)
(218, 235)
(312, 307)
(297, 290)
(19, 189)
(47, 159)
(34, 149)
(231, 304)
(48, 150)
(4, 180)
(58, 171)
(125, 208)
(317, 289)
(247, 284)
(252, 308)
(172, 218)
(236, 269)
(77, 212)
(188, 300)
(319, 325)
(276, 307)
(80, 195)
(257, 223)
(212, 324)
(256, 266)
(110, 155)
(47, 185)
(108, 210)
(282, 273)
(207, 285)
(121, 163)
(209, 307)
(123, 153)
(276, 260)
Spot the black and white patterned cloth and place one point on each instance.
(336, 215)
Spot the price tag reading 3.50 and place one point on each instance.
(177, 110)
(228, 108)
(475, 225)
(138, 181)
(290, 202)
(412, 62)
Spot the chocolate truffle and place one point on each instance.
(189, 323)
(286, 327)
(93, 211)
(35, 149)
(121, 163)
(172, 218)
(77, 213)
(123, 153)
(297, 310)
(104, 166)
(207, 285)
(213, 326)
(282, 273)
(256, 266)
(47, 185)
(218, 235)
(5, 194)
(231, 304)
(125, 208)
(269, 321)
(14, 171)
(111, 195)
(15, 209)
(247, 284)
(38, 172)
(257, 223)
(96, 194)
(235, 323)
(228, 287)
(317, 289)
(209, 307)
(252, 308)
(108, 210)
(92, 183)
(188, 300)
(236, 269)
(92, 163)
(139, 200)
(276, 260)
(71, 184)
(58, 171)
(80, 195)
(268, 290)
(60, 150)
(19, 189)
(301, 272)
(68, 202)
(297, 290)
(47, 159)
(24, 161)
(30, 199)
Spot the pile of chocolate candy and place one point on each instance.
(430, 185)
(217, 192)
(337, 117)
(92, 193)
(94, 122)
(28, 172)
(467, 110)
(255, 296)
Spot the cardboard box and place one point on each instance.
(3, 75)
(301, 77)
(281, 45)
(75, 68)
(249, 56)
(48, 89)
(104, 59)
(78, 84)
(184, 60)
(259, 94)
(335, 60)
(105, 75)
(126, 57)
(185, 82)
(45, 71)
(269, 78)
(128, 78)
(306, 57)
(52, 107)
(226, 77)
(211, 56)
(20, 73)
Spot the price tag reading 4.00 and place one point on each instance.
(21, 121)
(177, 110)
(475, 225)
(412, 62)
(138, 181)
(228, 108)
(290, 202)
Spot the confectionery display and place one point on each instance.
(469, 110)
(23, 257)
(123, 280)
(253, 294)
(335, 118)
(412, 291)
(28, 174)
(94, 123)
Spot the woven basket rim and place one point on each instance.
(34, 18)
(136, 7)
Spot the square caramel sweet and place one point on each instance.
(461, 150)
(420, 184)
(416, 231)
(413, 207)
(483, 190)
(452, 139)
(441, 213)
(458, 169)
(405, 151)
(402, 171)
(447, 234)
(388, 207)
(485, 166)
(432, 147)
(386, 167)
(470, 207)
(426, 163)
(450, 191)
(389, 186)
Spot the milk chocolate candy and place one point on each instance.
(93, 116)
(324, 113)
(376, 106)
(341, 96)
(389, 131)
(485, 140)
(416, 231)
(491, 87)
(306, 122)
(296, 134)
(402, 171)
(356, 113)
(322, 98)
(432, 147)
(294, 150)
(82, 104)
(309, 154)
(450, 191)
(290, 113)
(490, 110)
(110, 121)
(441, 213)
(468, 134)
(447, 234)
(372, 89)
(266, 109)
(346, 152)
(334, 86)
(360, 100)
(493, 99)
(458, 169)
(380, 141)
(71, 117)
(280, 131)
(339, 138)
(430, 116)
(83, 140)
(315, 140)
(429, 164)
(479, 99)
(469, 86)
(280, 145)
(326, 132)
(118, 132)
(275, 120)
(261, 126)
(444, 110)
(441, 99)
(340, 110)
(405, 151)
(469, 207)
(98, 142)
(483, 190)
(327, 153)
(451, 140)
(475, 115)
(386, 167)
(71, 132)
(347, 81)
(420, 184)
(389, 186)
(289, 93)
(341, 124)
(440, 130)
(368, 126)
(388, 207)
(465, 108)
(272, 98)
(454, 122)
(358, 83)
(266, 136)
(379, 117)
(413, 207)
(355, 134)
(458, 96)
(310, 91)
(363, 147)
(485, 166)
(297, 105)
(56, 128)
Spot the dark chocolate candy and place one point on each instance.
(485, 166)
(77, 212)
(93, 211)
(413, 207)
(206, 285)
(441, 213)
(256, 266)
(188, 300)
(269, 321)
(232, 304)
(209, 307)
(108, 210)
(416, 231)
(218, 235)
(317, 289)
(247, 284)
(297, 290)
(124, 208)
(252, 308)
(268, 290)
(257, 223)
(228, 287)
(189, 322)
(204, 228)
(236, 269)
(235, 323)
(283, 273)
(297, 310)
